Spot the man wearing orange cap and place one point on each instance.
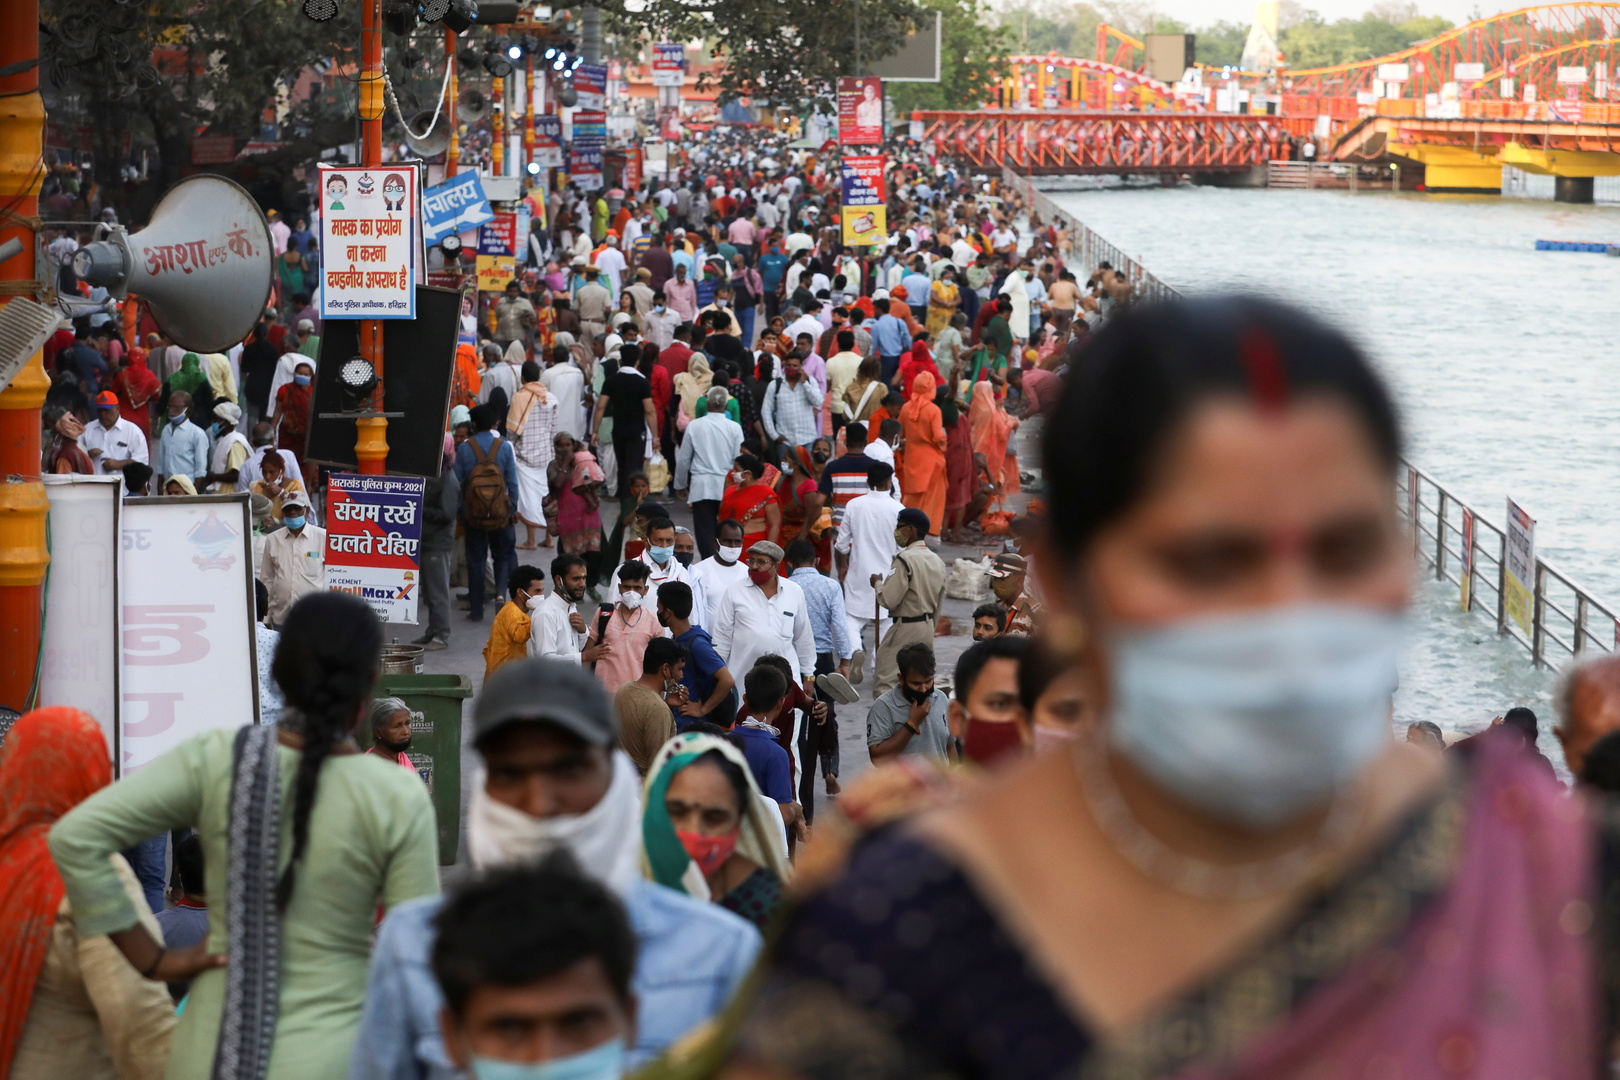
(112, 442)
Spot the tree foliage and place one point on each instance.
(971, 48)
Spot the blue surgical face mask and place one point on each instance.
(301, 380)
(293, 521)
(178, 420)
(661, 555)
(605, 1062)
(1259, 717)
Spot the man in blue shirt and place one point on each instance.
(707, 680)
(182, 447)
(824, 600)
(764, 690)
(501, 540)
(917, 284)
(772, 267)
(553, 780)
(890, 337)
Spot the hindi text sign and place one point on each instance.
(368, 242)
(374, 540)
(1519, 564)
(860, 110)
(454, 206)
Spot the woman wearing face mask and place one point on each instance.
(1238, 872)
(797, 495)
(293, 402)
(708, 832)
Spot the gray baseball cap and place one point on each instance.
(548, 691)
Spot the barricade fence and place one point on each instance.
(1450, 537)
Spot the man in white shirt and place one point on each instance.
(556, 628)
(963, 253)
(711, 444)
(565, 382)
(865, 546)
(113, 442)
(800, 322)
(609, 260)
(713, 576)
(498, 374)
(765, 615)
(262, 438)
(294, 558)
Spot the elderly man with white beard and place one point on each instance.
(554, 778)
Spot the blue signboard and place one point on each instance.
(454, 206)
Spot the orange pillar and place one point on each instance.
(23, 505)
(452, 155)
(371, 436)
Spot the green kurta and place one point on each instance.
(371, 842)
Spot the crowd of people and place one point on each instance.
(1153, 821)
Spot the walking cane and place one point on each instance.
(877, 638)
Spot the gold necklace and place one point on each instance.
(1156, 860)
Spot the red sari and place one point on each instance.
(292, 408)
(54, 759)
(136, 386)
(746, 505)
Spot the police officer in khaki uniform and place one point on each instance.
(912, 592)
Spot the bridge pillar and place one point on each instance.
(1572, 189)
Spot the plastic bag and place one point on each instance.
(657, 471)
(969, 580)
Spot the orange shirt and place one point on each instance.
(508, 638)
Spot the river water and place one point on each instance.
(1505, 361)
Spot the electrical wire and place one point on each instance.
(438, 105)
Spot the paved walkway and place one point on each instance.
(464, 656)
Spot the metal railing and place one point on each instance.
(1565, 619)
(1456, 541)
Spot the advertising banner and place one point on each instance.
(190, 655)
(585, 151)
(860, 110)
(499, 237)
(368, 242)
(865, 211)
(79, 654)
(374, 539)
(494, 271)
(454, 206)
(591, 82)
(548, 153)
(1520, 566)
(669, 64)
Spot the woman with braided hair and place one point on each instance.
(303, 837)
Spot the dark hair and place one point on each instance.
(659, 523)
(136, 476)
(881, 305)
(971, 663)
(516, 926)
(261, 599)
(889, 428)
(1151, 366)
(1523, 721)
(800, 552)
(991, 611)
(661, 651)
(764, 687)
(916, 659)
(482, 416)
(879, 475)
(564, 563)
(1037, 670)
(846, 340)
(530, 371)
(728, 523)
(1602, 767)
(677, 597)
(188, 860)
(520, 577)
(854, 432)
(633, 570)
(751, 464)
(326, 664)
(728, 768)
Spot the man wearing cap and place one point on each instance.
(231, 449)
(309, 340)
(1008, 573)
(912, 593)
(593, 302)
(552, 779)
(112, 442)
(765, 615)
(294, 557)
(641, 293)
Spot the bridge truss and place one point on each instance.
(1129, 142)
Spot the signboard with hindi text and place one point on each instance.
(586, 147)
(189, 653)
(668, 64)
(454, 206)
(865, 209)
(590, 82)
(860, 110)
(374, 539)
(1519, 564)
(368, 242)
(548, 152)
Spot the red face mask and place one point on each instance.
(709, 852)
(760, 577)
(986, 741)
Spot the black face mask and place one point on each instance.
(917, 697)
(395, 748)
(819, 456)
(684, 558)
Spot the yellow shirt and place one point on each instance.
(508, 638)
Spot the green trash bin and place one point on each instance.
(435, 704)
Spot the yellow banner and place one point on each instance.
(494, 271)
(865, 224)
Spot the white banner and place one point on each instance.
(1394, 72)
(1571, 76)
(368, 242)
(1468, 72)
(79, 652)
(190, 656)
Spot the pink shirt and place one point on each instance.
(682, 300)
(629, 641)
(741, 231)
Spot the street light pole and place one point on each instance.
(371, 441)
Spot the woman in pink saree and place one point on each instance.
(1233, 871)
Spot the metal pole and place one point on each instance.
(1501, 585)
(371, 441)
(1440, 537)
(23, 505)
(1538, 612)
(590, 34)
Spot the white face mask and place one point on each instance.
(632, 600)
(1258, 717)
(606, 839)
(729, 555)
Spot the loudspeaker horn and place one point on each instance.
(204, 264)
(437, 141)
(472, 106)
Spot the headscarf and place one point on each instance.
(460, 415)
(467, 382)
(515, 354)
(190, 376)
(53, 760)
(220, 378)
(693, 383)
(183, 481)
(921, 400)
(664, 860)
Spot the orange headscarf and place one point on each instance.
(467, 381)
(53, 760)
(922, 398)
